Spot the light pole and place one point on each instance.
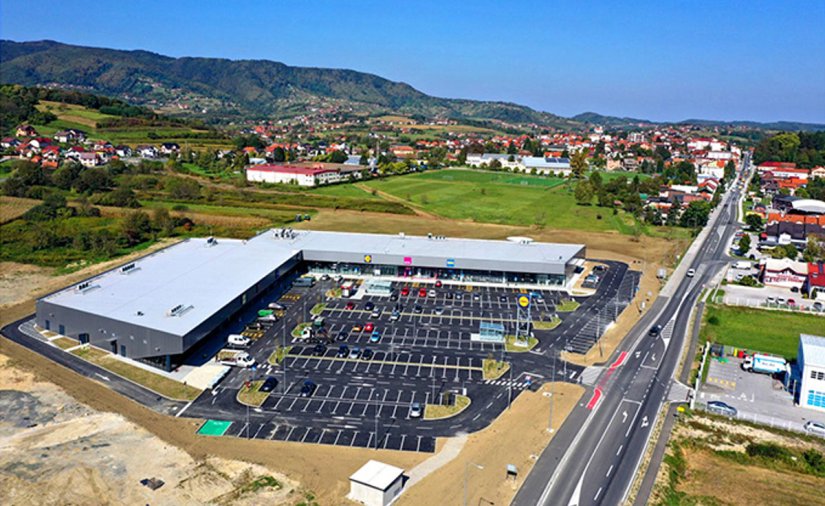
(598, 332)
(467, 477)
(552, 392)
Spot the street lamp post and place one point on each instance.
(466, 478)
(552, 391)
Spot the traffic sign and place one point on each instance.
(368, 259)
(524, 301)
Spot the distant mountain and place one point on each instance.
(238, 88)
(594, 118)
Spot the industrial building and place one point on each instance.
(811, 366)
(160, 306)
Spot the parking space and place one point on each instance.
(375, 356)
(757, 397)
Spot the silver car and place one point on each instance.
(415, 410)
(720, 408)
(815, 428)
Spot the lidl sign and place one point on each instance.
(451, 262)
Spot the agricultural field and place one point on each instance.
(774, 332)
(502, 198)
(83, 118)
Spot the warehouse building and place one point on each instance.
(811, 365)
(160, 306)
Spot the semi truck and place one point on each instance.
(765, 364)
(304, 281)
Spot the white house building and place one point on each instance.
(811, 364)
(784, 272)
(290, 174)
(376, 484)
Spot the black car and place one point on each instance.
(502, 298)
(367, 354)
(343, 351)
(269, 384)
(319, 350)
(418, 309)
(655, 331)
(458, 296)
(342, 336)
(449, 296)
(308, 389)
(369, 306)
(394, 296)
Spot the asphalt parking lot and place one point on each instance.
(426, 352)
(757, 397)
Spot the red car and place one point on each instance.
(369, 327)
(422, 292)
(791, 302)
(405, 291)
(438, 283)
(350, 306)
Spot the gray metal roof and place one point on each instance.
(813, 349)
(203, 278)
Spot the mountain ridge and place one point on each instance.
(226, 89)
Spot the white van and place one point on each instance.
(237, 341)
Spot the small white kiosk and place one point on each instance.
(376, 484)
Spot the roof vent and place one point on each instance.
(520, 239)
(128, 269)
(86, 287)
(178, 310)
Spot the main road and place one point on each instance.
(595, 454)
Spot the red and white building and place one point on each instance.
(784, 272)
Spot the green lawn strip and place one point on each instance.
(775, 332)
(567, 306)
(438, 412)
(345, 190)
(279, 354)
(296, 332)
(65, 342)
(90, 353)
(546, 325)
(511, 346)
(317, 309)
(493, 369)
(250, 395)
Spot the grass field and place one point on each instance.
(502, 198)
(437, 411)
(774, 332)
(344, 190)
(251, 395)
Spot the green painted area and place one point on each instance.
(505, 198)
(775, 332)
(214, 428)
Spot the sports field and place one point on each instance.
(501, 197)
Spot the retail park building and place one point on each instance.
(160, 306)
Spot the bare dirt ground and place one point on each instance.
(517, 437)
(709, 478)
(54, 450)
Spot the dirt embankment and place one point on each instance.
(55, 450)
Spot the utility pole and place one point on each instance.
(466, 478)
(552, 391)
(283, 352)
(510, 390)
(598, 332)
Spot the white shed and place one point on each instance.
(376, 484)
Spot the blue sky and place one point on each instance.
(667, 60)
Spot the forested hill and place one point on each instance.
(237, 88)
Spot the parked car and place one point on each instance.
(691, 273)
(780, 300)
(395, 315)
(418, 309)
(369, 327)
(355, 352)
(376, 313)
(308, 389)
(343, 351)
(367, 355)
(369, 306)
(771, 300)
(422, 292)
(319, 350)
(405, 291)
(375, 337)
(237, 341)
(350, 306)
(655, 331)
(276, 306)
(269, 384)
(720, 408)
(432, 293)
(502, 298)
(415, 410)
(816, 428)
(438, 283)
(325, 277)
(791, 302)
(817, 306)
(448, 295)
(476, 296)
(458, 296)
(342, 336)
(393, 296)
(357, 328)
(439, 310)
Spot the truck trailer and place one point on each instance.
(765, 364)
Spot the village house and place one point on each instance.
(785, 273)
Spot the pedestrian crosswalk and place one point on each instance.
(517, 384)
(590, 375)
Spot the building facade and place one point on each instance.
(811, 364)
